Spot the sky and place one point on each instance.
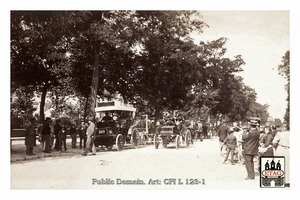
(262, 38)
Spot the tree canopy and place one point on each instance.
(147, 57)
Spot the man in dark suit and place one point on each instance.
(251, 143)
(30, 137)
(46, 134)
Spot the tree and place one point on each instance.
(21, 105)
(242, 97)
(284, 70)
(38, 50)
(167, 58)
(258, 110)
(102, 55)
(217, 85)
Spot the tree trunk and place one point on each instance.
(42, 104)
(156, 113)
(85, 108)
(94, 87)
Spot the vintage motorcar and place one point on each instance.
(173, 134)
(116, 119)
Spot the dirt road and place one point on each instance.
(198, 167)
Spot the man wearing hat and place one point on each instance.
(82, 134)
(90, 137)
(30, 137)
(251, 143)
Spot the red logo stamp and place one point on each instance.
(272, 172)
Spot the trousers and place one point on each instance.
(90, 145)
(74, 140)
(249, 163)
(29, 150)
(63, 143)
(82, 140)
(230, 150)
(46, 138)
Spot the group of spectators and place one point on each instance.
(242, 144)
(248, 143)
(53, 135)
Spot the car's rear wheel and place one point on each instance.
(188, 138)
(119, 142)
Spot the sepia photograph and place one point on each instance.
(149, 99)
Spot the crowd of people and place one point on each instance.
(52, 135)
(247, 143)
(238, 144)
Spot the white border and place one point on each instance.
(148, 5)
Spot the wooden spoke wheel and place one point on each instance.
(120, 142)
(188, 138)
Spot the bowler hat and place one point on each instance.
(253, 122)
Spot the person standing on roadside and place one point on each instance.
(62, 135)
(237, 131)
(57, 129)
(73, 134)
(82, 134)
(251, 143)
(200, 131)
(231, 143)
(39, 133)
(210, 131)
(266, 144)
(222, 134)
(273, 130)
(30, 137)
(90, 138)
(46, 134)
